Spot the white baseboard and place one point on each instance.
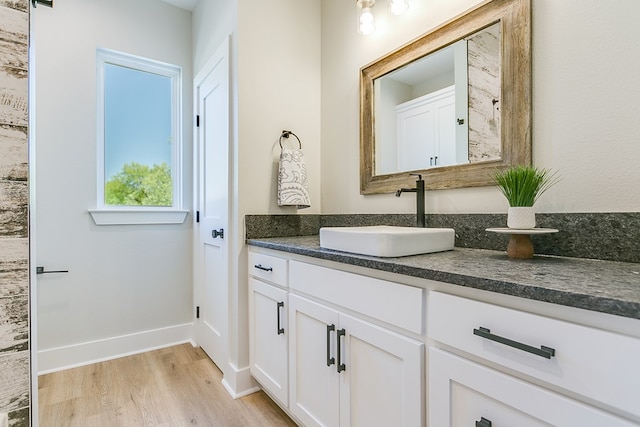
(72, 356)
(239, 382)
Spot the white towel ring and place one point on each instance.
(286, 134)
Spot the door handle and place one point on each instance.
(543, 351)
(217, 233)
(279, 306)
(41, 270)
(330, 360)
(341, 366)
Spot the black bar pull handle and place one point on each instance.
(41, 270)
(546, 352)
(330, 360)
(279, 306)
(341, 366)
(483, 422)
(260, 267)
(50, 4)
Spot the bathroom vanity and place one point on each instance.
(458, 338)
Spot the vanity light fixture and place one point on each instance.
(366, 24)
(398, 7)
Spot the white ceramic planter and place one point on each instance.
(521, 217)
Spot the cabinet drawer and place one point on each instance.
(599, 365)
(393, 303)
(463, 393)
(268, 267)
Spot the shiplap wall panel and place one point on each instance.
(14, 197)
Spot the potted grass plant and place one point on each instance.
(523, 186)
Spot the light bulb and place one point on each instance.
(366, 24)
(398, 7)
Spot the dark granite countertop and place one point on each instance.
(603, 286)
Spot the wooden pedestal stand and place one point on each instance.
(520, 245)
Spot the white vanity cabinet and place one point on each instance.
(358, 350)
(322, 344)
(268, 329)
(463, 393)
(569, 362)
(347, 371)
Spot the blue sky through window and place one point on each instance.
(137, 110)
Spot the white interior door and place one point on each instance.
(211, 259)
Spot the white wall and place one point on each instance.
(275, 80)
(278, 88)
(122, 279)
(585, 94)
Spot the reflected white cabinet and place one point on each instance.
(426, 131)
(463, 393)
(348, 372)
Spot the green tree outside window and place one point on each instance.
(140, 185)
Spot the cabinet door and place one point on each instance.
(382, 382)
(268, 338)
(313, 379)
(462, 393)
(416, 137)
(445, 139)
(597, 364)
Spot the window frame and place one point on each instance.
(114, 214)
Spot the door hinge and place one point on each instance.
(197, 216)
(197, 312)
(198, 121)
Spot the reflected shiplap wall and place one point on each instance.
(14, 196)
(484, 95)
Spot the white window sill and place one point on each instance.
(137, 217)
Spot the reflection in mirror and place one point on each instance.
(442, 109)
(483, 55)
(453, 105)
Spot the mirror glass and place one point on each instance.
(453, 105)
(441, 110)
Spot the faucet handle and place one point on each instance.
(418, 175)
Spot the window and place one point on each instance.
(139, 138)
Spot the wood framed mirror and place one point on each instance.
(391, 144)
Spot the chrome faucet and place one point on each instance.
(419, 190)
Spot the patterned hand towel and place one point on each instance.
(292, 179)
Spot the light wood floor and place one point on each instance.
(176, 386)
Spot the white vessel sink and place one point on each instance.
(386, 240)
